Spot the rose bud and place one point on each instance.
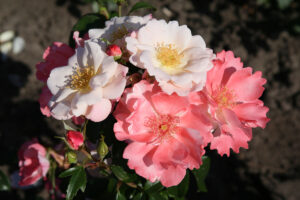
(75, 139)
(32, 162)
(71, 156)
(102, 148)
(115, 51)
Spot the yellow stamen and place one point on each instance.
(81, 78)
(164, 127)
(168, 55)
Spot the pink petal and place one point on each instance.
(197, 118)
(43, 100)
(172, 176)
(169, 104)
(253, 114)
(246, 87)
(139, 157)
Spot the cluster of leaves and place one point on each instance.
(282, 4)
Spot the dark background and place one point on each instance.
(263, 36)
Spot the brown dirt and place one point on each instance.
(262, 37)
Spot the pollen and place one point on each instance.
(81, 77)
(162, 126)
(225, 98)
(168, 55)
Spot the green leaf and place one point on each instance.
(68, 127)
(156, 196)
(120, 196)
(283, 4)
(111, 186)
(181, 189)
(77, 181)
(153, 187)
(4, 182)
(85, 23)
(140, 5)
(69, 172)
(122, 175)
(201, 173)
(138, 196)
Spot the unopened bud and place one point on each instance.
(75, 139)
(115, 51)
(71, 156)
(102, 148)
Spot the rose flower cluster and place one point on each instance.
(181, 98)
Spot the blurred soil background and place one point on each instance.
(265, 38)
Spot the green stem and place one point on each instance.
(120, 9)
(87, 154)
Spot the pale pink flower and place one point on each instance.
(116, 30)
(232, 93)
(87, 85)
(75, 139)
(161, 143)
(32, 162)
(178, 60)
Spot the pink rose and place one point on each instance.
(232, 93)
(162, 145)
(43, 100)
(75, 139)
(55, 55)
(32, 162)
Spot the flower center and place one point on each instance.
(163, 126)
(119, 33)
(224, 98)
(168, 55)
(81, 77)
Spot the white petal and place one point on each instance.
(99, 111)
(61, 111)
(62, 94)
(197, 41)
(58, 78)
(94, 54)
(88, 98)
(115, 89)
(95, 33)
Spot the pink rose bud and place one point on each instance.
(115, 51)
(32, 162)
(75, 139)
